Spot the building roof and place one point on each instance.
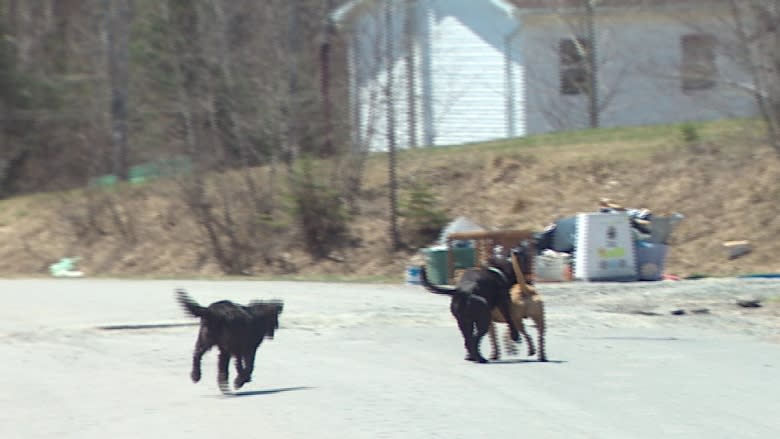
(549, 4)
(344, 11)
(350, 7)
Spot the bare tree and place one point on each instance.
(757, 37)
(591, 68)
(229, 86)
(239, 97)
(373, 45)
(119, 16)
(48, 74)
(735, 54)
(389, 90)
(592, 89)
(203, 76)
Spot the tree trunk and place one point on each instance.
(391, 140)
(119, 17)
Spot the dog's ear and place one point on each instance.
(278, 305)
(272, 324)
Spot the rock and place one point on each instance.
(736, 249)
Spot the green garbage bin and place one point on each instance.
(104, 181)
(436, 262)
(144, 172)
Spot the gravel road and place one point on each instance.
(110, 359)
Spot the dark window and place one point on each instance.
(573, 54)
(698, 69)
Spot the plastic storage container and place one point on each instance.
(552, 268)
(412, 275)
(605, 248)
(661, 227)
(650, 259)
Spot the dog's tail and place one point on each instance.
(189, 305)
(435, 288)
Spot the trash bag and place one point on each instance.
(65, 267)
(544, 240)
(459, 224)
(565, 235)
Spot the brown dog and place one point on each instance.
(525, 302)
(523, 305)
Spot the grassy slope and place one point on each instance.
(726, 186)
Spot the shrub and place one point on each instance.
(689, 133)
(320, 212)
(422, 217)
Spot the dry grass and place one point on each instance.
(726, 184)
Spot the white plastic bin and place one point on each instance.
(605, 248)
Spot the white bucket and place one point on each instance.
(413, 274)
(552, 268)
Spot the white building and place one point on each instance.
(440, 72)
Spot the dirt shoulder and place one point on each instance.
(725, 190)
(713, 304)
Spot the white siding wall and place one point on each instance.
(371, 79)
(460, 92)
(479, 75)
(368, 63)
(639, 59)
(470, 73)
(470, 88)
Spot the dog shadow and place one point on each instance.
(523, 361)
(244, 393)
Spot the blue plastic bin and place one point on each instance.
(650, 260)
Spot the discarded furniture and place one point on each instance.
(485, 245)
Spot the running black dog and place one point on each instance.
(236, 329)
(478, 292)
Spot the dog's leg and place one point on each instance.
(469, 340)
(540, 331)
(467, 310)
(509, 344)
(196, 358)
(240, 370)
(483, 325)
(222, 371)
(202, 345)
(458, 308)
(495, 352)
(503, 306)
(467, 331)
(531, 349)
(249, 366)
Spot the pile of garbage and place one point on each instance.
(614, 243)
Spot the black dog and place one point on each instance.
(236, 329)
(478, 292)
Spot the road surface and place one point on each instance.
(89, 358)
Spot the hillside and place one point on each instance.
(725, 182)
